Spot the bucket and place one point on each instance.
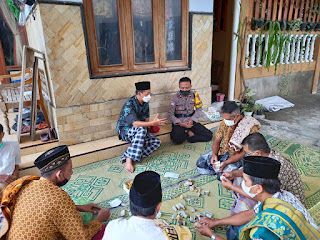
(220, 97)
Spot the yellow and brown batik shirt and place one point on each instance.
(289, 176)
(44, 211)
(225, 133)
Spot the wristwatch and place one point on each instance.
(213, 237)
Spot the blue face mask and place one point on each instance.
(1, 144)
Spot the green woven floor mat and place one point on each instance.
(102, 181)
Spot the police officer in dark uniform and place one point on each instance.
(184, 113)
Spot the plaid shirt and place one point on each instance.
(132, 111)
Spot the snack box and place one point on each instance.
(127, 185)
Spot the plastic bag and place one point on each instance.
(212, 114)
(85, 216)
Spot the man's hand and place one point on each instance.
(185, 124)
(90, 207)
(213, 159)
(223, 165)
(228, 175)
(7, 179)
(208, 221)
(190, 123)
(226, 183)
(103, 215)
(205, 230)
(158, 122)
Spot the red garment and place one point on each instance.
(100, 233)
(153, 129)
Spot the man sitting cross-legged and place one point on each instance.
(184, 112)
(278, 213)
(145, 201)
(232, 130)
(132, 126)
(39, 209)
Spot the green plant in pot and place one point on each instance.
(247, 109)
(248, 97)
(283, 25)
(316, 11)
(258, 109)
(294, 25)
(310, 26)
(276, 42)
(257, 23)
(303, 26)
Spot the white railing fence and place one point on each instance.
(298, 49)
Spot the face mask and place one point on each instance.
(64, 182)
(146, 98)
(249, 154)
(1, 144)
(185, 93)
(247, 190)
(229, 123)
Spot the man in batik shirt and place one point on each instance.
(39, 209)
(232, 130)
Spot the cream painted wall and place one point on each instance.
(87, 109)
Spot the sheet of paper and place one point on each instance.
(171, 175)
(115, 203)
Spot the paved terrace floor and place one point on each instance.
(300, 123)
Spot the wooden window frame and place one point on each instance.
(128, 66)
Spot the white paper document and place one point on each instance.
(171, 175)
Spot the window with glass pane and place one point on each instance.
(143, 30)
(12, 39)
(173, 29)
(107, 31)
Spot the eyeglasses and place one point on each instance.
(249, 154)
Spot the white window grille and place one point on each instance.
(298, 49)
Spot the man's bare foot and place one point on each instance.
(129, 166)
(191, 134)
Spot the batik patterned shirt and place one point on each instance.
(44, 211)
(225, 133)
(132, 111)
(289, 176)
(293, 201)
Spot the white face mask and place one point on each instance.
(146, 98)
(247, 190)
(229, 123)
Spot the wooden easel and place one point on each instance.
(30, 58)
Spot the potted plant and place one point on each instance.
(258, 109)
(294, 25)
(257, 23)
(316, 11)
(247, 109)
(310, 26)
(303, 26)
(275, 44)
(248, 97)
(283, 25)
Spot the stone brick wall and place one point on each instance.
(88, 109)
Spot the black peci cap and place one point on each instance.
(142, 85)
(146, 189)
(261, 167)
(52, 159)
